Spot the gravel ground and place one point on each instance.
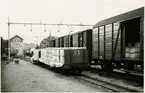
(26, 77)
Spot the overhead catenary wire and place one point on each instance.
(18, 23)
(50, 24)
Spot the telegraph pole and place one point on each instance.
(9, 38)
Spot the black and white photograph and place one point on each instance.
(72, 46)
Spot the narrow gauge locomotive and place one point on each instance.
(73, 59)
(112, 42)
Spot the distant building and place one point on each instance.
(16, 42)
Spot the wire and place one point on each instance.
(51, 24)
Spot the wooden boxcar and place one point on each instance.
(119, 40)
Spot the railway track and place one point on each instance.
(109, 86)
(98, 82)
(137, 79)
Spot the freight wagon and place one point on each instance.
(119, 40)
(72, 59)
(79, 39)
(35, 55)
(114, 42)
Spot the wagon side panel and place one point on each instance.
(95, 43)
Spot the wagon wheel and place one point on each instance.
(118, 65)
(128, 66)
(78, 72)
(107, 66)
(103, 66)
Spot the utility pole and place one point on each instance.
(9, 38)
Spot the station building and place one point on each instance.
(16, 42)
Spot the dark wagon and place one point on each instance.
(52, 43)
(79, 39)
(83, 39)
(67, 41)
(57, 42)
(119, 41)
(68, 59)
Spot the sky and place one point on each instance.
(55, 12)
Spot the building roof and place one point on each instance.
(16, 36)
(122, 17)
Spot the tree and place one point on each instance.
(46, 42)
(37, 46)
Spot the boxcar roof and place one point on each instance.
(122, 17)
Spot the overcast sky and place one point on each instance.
(56, 11)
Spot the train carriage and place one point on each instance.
(83, 39)
(35, 56)
(73, 59)
(114, 42)
(52, 43)
(119, 40)
(61, 41)
(57, 42)
(67, 41)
